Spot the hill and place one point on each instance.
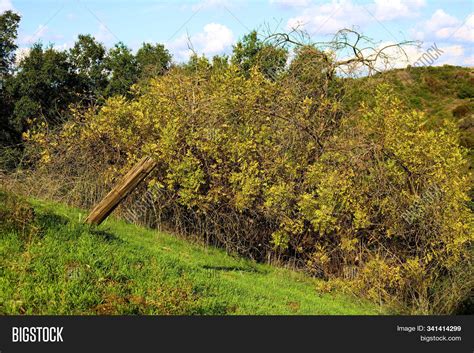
(53, 264)
(442, 92)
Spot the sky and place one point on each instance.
(212, 26)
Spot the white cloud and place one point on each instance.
(327, 18)
(466, 31)
(452, 55)
(389, 10)
(214, 39)
(5, 5)
(180, 48)
(440, 19)
(429, 54)
(442, 26)
(435, 55)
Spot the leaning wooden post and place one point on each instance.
(128, 182)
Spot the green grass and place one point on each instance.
(64, 267)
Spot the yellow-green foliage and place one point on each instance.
(398, 189)
(297, 176)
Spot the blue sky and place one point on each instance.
(212, 26)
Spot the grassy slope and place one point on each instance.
(435, 90)
(119, 268)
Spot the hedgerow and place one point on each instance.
(275, 168)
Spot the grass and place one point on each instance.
(57, 265)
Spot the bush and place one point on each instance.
(275, 169)
(466, 91)
(462, 110)
(17, 215)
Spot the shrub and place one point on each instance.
(274, 168)
(462, 110)
(466, 91)
(402, 191)
(17, 215)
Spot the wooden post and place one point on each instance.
(128, 182)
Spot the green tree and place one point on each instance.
(88, 62)
(123, 68)
(197, 63)
(43, 87)
(220, 62)
(9, 22)
(8, 32)
(152, 60)
(251, 51)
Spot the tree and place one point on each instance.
(152, 60)
(123, 68)
(251, 51)
(197, 63)
(43, 87)
(88, 62)
(8, 32)
(220, 62)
